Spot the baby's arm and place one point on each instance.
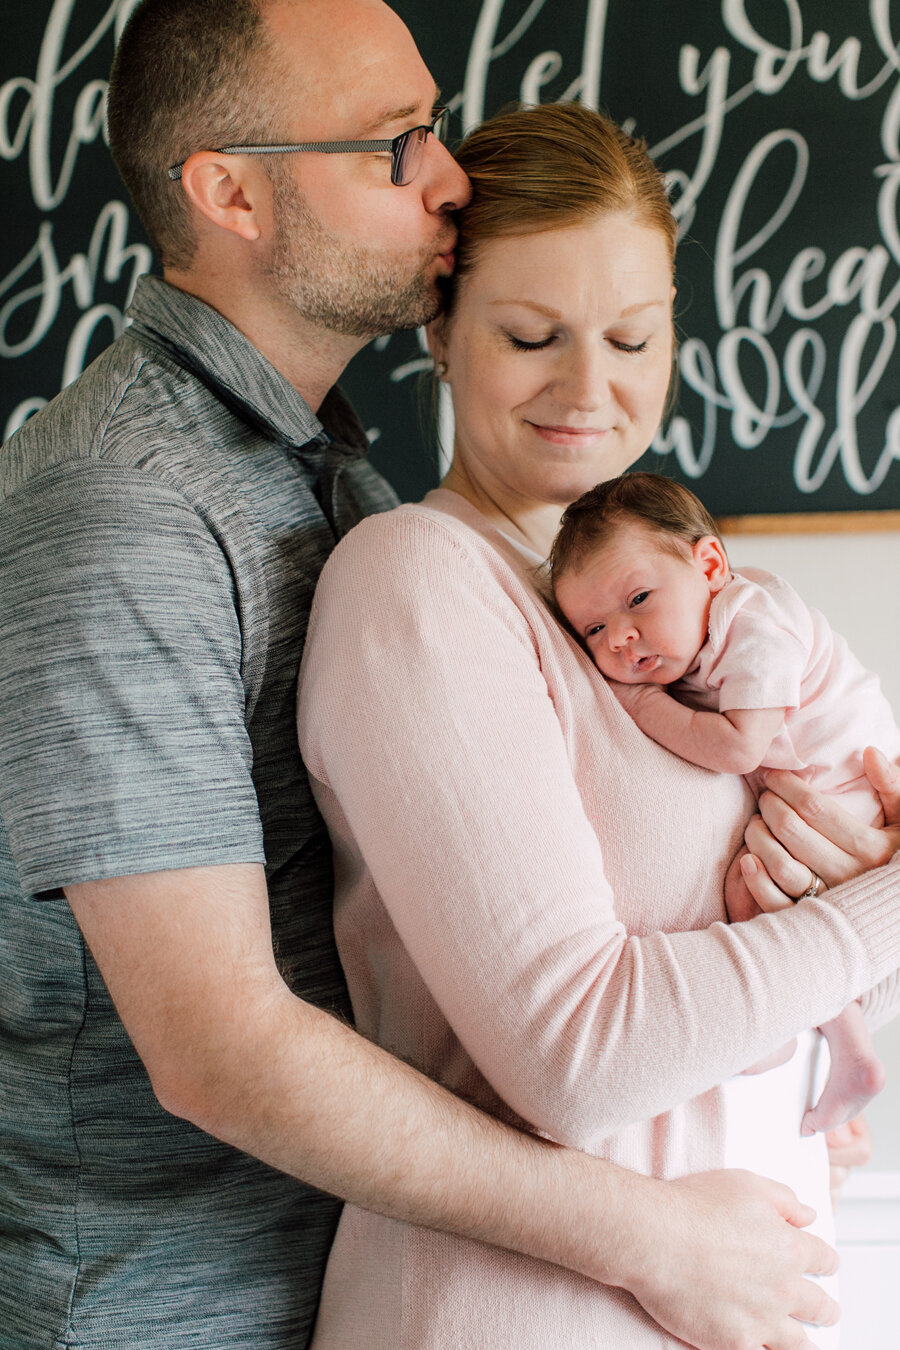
(729, 742)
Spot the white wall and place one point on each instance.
(853, 579)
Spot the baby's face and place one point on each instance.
(642, 610)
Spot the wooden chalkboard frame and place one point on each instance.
(813, 522)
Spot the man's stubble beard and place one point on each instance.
(343, 288)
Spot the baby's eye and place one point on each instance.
(523, 345)
(595, 629)
(639, 598)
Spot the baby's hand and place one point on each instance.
(635, 696)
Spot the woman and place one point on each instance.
(529, 892)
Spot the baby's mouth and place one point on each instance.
(645, 665)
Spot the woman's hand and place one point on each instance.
(849, 1146)
(801, 834)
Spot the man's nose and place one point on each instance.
(445, 186)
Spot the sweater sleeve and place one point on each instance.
(881, 1004)
(427, 722)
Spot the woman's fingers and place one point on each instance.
(819, 832)
(800, 831)
(850, 1145)
(792, 875)
(762, 888)
(827, 817)
(885, 779)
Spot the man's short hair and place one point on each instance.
(187, 75)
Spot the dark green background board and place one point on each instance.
(778, 122)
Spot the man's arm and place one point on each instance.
(187, 957)
(728, 742)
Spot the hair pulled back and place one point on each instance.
(551, 167)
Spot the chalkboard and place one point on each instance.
(777, 122)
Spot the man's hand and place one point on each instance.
(725, 1262)
(799, 831)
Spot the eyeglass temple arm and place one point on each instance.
(323, 148)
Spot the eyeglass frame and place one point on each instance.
(396, 145)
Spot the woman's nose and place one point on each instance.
(584, 378)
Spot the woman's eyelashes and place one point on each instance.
(523, 345)
(539, 344)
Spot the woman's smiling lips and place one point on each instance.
(565, 435)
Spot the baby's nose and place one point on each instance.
(620, 634)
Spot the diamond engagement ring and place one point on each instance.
(815, 887)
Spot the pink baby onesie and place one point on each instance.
(767, 649)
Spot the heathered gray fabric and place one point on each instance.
(160, 538)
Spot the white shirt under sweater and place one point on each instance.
(518, 870)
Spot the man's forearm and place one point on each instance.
(709, 1257)
(187, 957)
(713, 1258)
(347, 1117)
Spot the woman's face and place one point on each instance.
(559, 353)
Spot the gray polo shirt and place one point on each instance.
(162, 525)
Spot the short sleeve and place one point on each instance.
(756, 655)
(123, 746)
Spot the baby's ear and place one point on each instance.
(710, 556)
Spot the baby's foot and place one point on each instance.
(850, 1087)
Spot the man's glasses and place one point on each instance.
(407, 149)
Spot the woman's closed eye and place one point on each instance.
(524, 345)
(630, 348)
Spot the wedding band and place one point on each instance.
(815, 887)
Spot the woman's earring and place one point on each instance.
(440, 369)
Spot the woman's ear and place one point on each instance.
(710, 556)
(435, 337)
(224, 191)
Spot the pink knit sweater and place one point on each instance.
(529, 908)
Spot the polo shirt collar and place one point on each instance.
(203, 341)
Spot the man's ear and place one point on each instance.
(224, 190)
(710, 556)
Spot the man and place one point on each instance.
(172, 1069)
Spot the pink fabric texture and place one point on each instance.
(529, 908)
(767, 649)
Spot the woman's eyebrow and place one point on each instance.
(551, 313)
(529, 304)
